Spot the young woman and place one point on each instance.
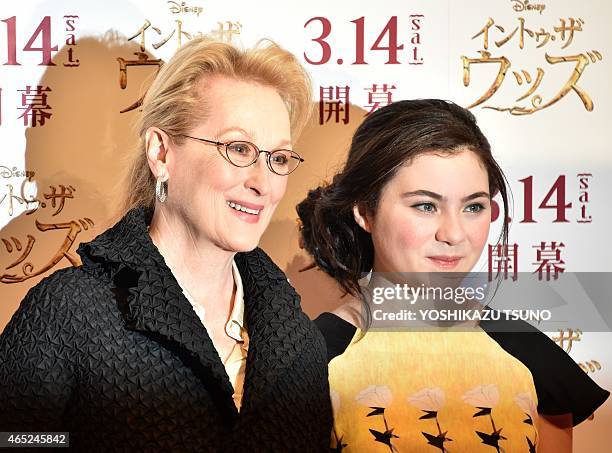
(415, 197)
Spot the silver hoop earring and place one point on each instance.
(161, 189)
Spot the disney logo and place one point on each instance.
(525, 5)
(176, 8)
(6, 172)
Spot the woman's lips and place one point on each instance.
(245, 211)
(246, 204)
(445, 262)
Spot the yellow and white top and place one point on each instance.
(431, 391)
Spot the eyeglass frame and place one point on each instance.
(259, 151)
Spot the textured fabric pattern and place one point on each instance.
(235, 362)
(113, 353)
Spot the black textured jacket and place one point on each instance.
(113, 353)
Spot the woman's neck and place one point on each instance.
(201, 268)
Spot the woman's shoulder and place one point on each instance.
(66, 291)
(61, 288)
(337, 332)
(561, 385)
(47, 315)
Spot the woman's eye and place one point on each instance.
(425, 207)
(279, 159)
(239, 148)
(476, 207)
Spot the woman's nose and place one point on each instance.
(259, 176)
(450, 229)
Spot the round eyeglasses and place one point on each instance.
(243, 154)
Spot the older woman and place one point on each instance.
(177, 333)
(414, 200)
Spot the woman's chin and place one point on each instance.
(243, 245)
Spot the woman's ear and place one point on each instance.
(157, 149)
(359, 213)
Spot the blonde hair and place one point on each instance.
(173, 103)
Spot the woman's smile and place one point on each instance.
(247, 212)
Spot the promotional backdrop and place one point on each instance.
(536, 75)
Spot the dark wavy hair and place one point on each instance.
(386, 140)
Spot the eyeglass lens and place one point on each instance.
(244, 154)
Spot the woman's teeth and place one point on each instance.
(237, 207)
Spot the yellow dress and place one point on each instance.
(431, 391)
